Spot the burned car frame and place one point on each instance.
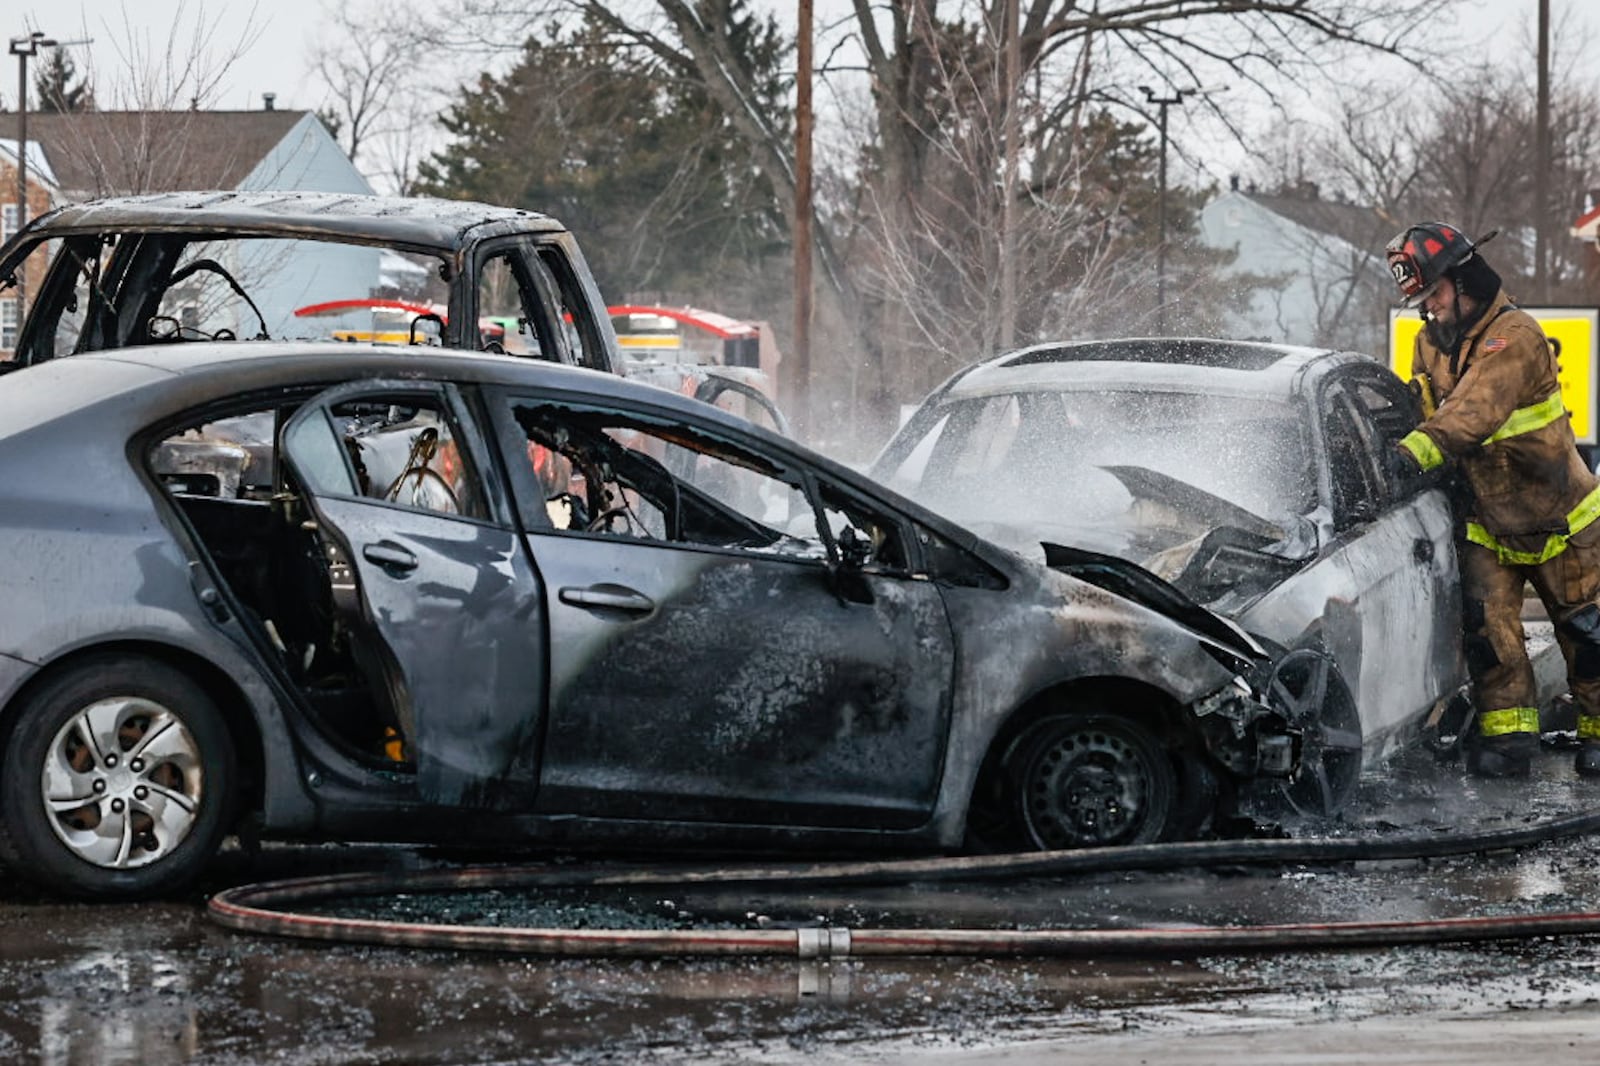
(1252, 476)
(187, 266)
(349, 592)
(170, 268)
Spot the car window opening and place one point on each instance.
(124, 289)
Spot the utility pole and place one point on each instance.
(1162, 103)
(1541, 163)
(798, 401)
(1008, 206)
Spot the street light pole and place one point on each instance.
(1162, 103)
(23, 48)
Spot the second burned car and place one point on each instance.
(1253, 477)
(349, 592)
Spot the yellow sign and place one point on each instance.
(1572, 331)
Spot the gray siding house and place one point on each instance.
(1313, 269)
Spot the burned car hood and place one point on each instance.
(1186, 504)
(1197, 544)
(1135, 583)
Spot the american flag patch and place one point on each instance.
(1495, 344)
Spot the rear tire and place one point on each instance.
(117, 781)
(1088, 779)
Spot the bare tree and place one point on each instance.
(364, 62)
(1460, 150)
(931, 71)
(130, 143)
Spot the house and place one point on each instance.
(41, 195)
(1309, 270)
(90, 154)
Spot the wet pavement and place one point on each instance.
(157, 982)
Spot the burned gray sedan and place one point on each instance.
(339, 592)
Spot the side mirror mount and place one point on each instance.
(855, 548)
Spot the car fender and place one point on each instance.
(1062, 631)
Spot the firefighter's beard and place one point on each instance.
(1445, 336)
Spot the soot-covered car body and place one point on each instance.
(353, 593)
(1254, 477)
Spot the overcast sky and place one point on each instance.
(277, 35)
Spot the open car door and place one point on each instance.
(444, 611)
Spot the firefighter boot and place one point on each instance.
(1588, 762)
(1503, 755)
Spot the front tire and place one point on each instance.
(1085, 779)
(117, 781)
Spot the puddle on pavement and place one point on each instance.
(156, 982)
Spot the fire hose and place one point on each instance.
(261, 908)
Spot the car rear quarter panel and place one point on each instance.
(87, 562)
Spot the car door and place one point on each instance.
(1383, 588)
(733, 638)
(430, 573)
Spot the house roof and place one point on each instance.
(1587, 227)
(1363, 227)
(97, 153)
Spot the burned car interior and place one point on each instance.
(116, 290)
(619, 476)
(225, 474)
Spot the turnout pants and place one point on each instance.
(1497, 657)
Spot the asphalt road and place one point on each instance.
(156, 982)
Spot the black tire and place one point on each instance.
(149, 754)
(1089, 779)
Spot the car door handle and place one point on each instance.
(612, 597)
(1422, 551)
(393, 558)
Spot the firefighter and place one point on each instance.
(1533, 503)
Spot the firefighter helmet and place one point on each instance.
(1422, 254)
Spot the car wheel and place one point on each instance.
(1089, 780)
(1308, 689)
(116, 780)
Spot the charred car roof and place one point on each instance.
(440, 225)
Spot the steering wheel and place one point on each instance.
(429, 489)
(631, 526)
(211, 266)
(419, 320)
